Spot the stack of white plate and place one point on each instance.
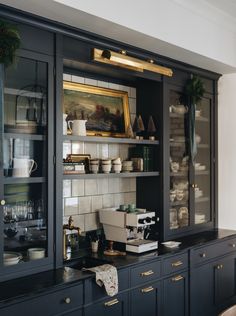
(11, 258)
(200, 218)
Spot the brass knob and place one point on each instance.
(233, 245)
(3, 202)
(203, 255)
(193, 185)
(67, 300)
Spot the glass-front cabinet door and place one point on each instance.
(190, 205)
(26, 164)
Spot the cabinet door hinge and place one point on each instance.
(54, 160)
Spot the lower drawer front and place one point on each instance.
(145, 273)
(48, 305)
(175, 263)
(206, 253)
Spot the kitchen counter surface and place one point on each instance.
(24, 287)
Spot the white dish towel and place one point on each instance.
(106, 275)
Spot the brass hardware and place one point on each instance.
(112, 302)
(67, 300)
(151, 61)
(177, 264)
(124, 61)
(123, 52)
(219, 266)
(203, 255)
(68, 226)
(233, 245)
(194, 186)
(146, 273)
(3, 202)
(177, 278)
(147, 289)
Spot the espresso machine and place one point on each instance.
(133, 229)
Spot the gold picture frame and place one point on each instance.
(106, 110)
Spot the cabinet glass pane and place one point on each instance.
(202, 163)
(179, 166)
(25, 162)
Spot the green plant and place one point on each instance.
(194, 89)
(9, 42)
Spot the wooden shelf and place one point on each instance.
(185, 173)
(14, 180)
(111, 175)
(111, 140)
(183, 144)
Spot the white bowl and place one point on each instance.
(116, 168)
(171, 244)
(106, 168)
(11, 258)
(36, 253)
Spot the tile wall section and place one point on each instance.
(83, 197)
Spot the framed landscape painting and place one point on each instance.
(106, 110)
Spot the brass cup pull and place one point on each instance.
(67, 300)
(177, 278)
(112, 302)
(3, 202)
(147, 289)
(176, 264)
(203, 255)
(146, 273)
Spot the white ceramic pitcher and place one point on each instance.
(23, 167)
(78, 127)
(64, 124)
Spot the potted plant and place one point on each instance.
(194, 91)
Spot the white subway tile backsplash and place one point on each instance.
(67, 188)
(71, 206)
(102, 185)
(66, 149)
(108, 200)
(103, 151)
(113, 150)
(96, 202)
(125, 88)
(114, 86)
(78, 79)
(132, 105)
(77, 148)
(91, 82)
(78, 187)
(114, 185)
(84, 204)
(102, 84)
(67, 77)
(79, 221)
(124, 152)
(90, 187)
(125, 185)
(91, 221)
(133, 184)
(91, 149)
(118, 199)
(130, 198)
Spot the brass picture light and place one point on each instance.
(122, 60)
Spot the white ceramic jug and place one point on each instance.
(64, 124)
(78, 127)
(23, 167)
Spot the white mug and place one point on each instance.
(23, 167)
(64, 124)
(78, 127)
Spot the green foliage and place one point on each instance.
(194, 89)
(9, 42)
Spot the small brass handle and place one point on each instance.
(67, 300)
(193, 185)
(112, 302)
(147, 289)
(3, 202)
(147, 273)
(177, 278)
(177, 263)
(219, 266)
(203, 255)
(233, 245)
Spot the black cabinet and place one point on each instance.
(146, 300)
(175, 295)
(116, 306)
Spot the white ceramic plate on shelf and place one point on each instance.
(171, 244)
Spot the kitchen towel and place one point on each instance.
(106, 275)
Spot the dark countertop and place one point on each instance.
(28, 286)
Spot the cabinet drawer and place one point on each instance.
(145, 273)
(48, 305)
(175, 263)
(203, 254)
